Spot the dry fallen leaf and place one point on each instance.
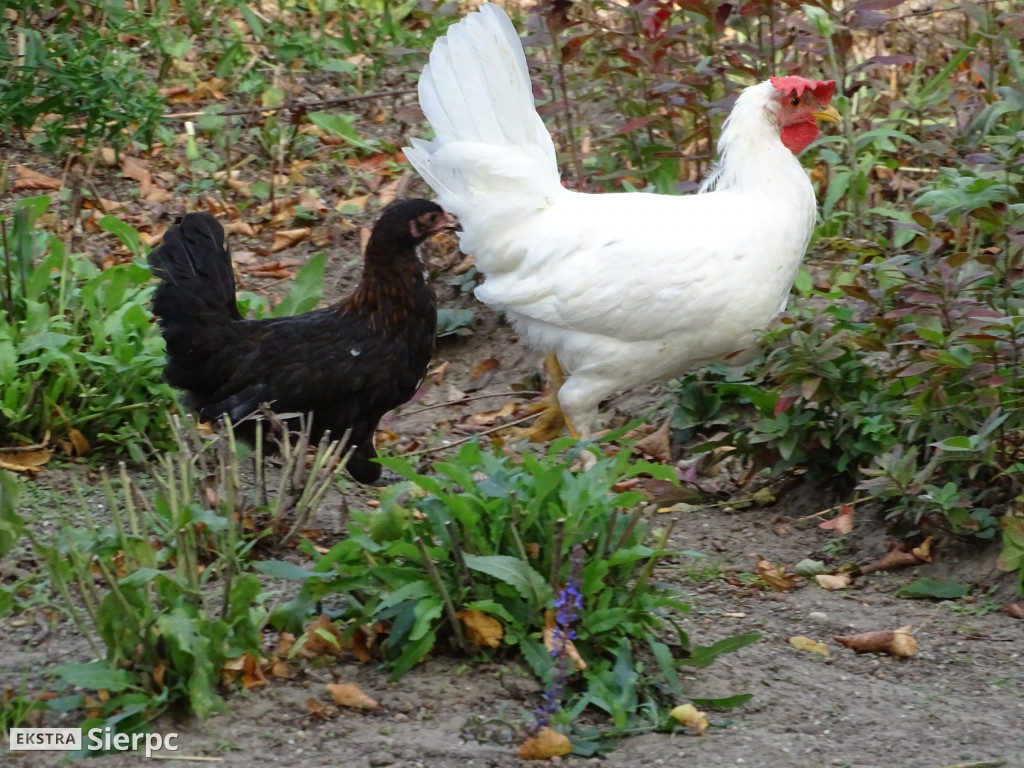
(481, 629)
(898, 642)
(437, 373)
(350, 695)
(27, 461)
(566, 647)
(248, 668)
(547, 743)
(899, 557)
(802, 643)
(842, 523)
(657, 445)
(775, 577)
(489, 417)
(833, 581)
(691, 717)
(286, 238)
(28, 179)
(321, 638)
(1015, 610)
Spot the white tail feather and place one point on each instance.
(490, 144)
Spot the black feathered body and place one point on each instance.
(349, 363)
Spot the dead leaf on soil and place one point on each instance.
(247, 667)
(842, 523)
(359, 203)
(775, 577)
(899, 642)
(319, 710)
(691, 717)
(802, 643)
(76, 445)
(321, 638)
(899, 557)
(28, 461)
(1015, 610)
(566, 646)
(657, 445)
(239, 227)
(437, 374)
(486, 418)
(286, 238)
(350, 695)
(833, 581)
(484, 367)
(26, 178)
(547, 743)
(481, 629)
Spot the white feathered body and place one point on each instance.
(624, 288)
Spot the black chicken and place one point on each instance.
(349, 363)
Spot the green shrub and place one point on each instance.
(77, 348)
(496, 534)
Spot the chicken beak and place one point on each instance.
(452, 222)
(828, 113)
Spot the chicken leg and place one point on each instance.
(552, 420)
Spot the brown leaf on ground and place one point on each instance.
(898, 642)
(898, 556)
(842, 523)
(486, 418)
(321, 638)
(802, 643)
(239, 227)
(350, 695)
(286, 238)
(245, 667)
(657, 445)
(532, 549)
(75, 445)
(285, 641)
(26, 178)
(1015, 610)
(307, 200)
(280, 669)
(565, 645)
(359, 203)
(775, 577)
(319, 710)
(833, 581)
(26, 461)
(547, 743)
(691, 717)
(484, 367)
(437, 373)
(481, 629)
(388, 192)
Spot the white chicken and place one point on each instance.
(620, 289)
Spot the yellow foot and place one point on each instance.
(551, 421)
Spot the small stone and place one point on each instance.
(819, 616)
(401, 717)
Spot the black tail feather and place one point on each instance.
(195, 303)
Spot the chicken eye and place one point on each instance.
(794, 102)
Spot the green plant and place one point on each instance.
(74, 81)
(493, 534)
(12, 528)
(77, 348)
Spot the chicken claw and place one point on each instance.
(551, 421)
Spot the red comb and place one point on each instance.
(822, 89)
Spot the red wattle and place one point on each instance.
(798, 136)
